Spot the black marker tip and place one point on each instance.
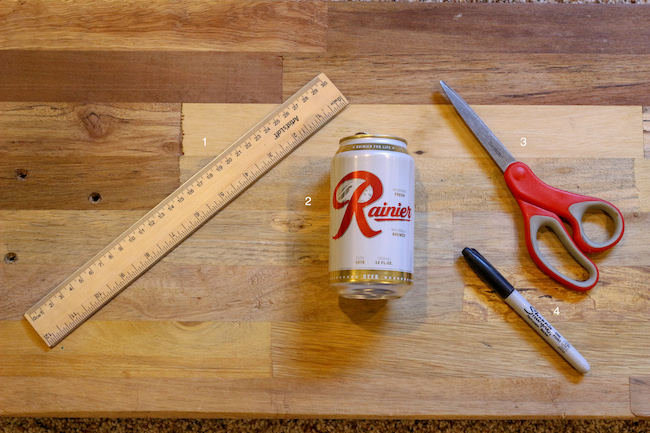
(487, 272)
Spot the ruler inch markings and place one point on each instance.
(184, 211)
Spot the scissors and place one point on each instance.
(543, 206)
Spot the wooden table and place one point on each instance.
(115, 99)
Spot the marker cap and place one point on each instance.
(487, 272)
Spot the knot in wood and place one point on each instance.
(98, 125)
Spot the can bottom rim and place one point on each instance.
(371, 291)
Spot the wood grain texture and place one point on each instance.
(408, 28)
(253, 296)
(164, 25)
(480, 77)
(239, 320)
(640, 396)
(222, 293)
(642, 173)
(56, 156)
(164, 349)
(646, 131)
(410, 398)
(136, 76)
(368, 350)
(89, 129)
(436, 131)
(447, 155)
(74, 182)
(490, 53)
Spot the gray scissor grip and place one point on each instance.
(539, 221)
(578, 211)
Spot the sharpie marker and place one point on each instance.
(495, 280)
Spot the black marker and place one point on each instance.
(496, 281)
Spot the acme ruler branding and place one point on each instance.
(286, 127)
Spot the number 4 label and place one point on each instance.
(556, 311)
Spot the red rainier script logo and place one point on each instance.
(355, 208)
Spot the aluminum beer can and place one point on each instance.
(372, 214)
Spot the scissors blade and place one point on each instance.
(490, 142)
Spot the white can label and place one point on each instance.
(372, 218)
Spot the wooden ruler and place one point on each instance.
(185, 210)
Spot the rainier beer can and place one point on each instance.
(372, 217)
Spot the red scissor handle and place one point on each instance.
(541, 206)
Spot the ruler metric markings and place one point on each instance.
(180, 214)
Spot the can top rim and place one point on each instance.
(369, 135)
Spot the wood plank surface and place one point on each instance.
(414, 398)
(438, 127)
(482, 78)
(164, 25)
(124, 156)
(646, 131)
(408, 28)
(269, 269)
(90, 129)
(491, 53)
(136, 76)
(117, 98)
(640, 396)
